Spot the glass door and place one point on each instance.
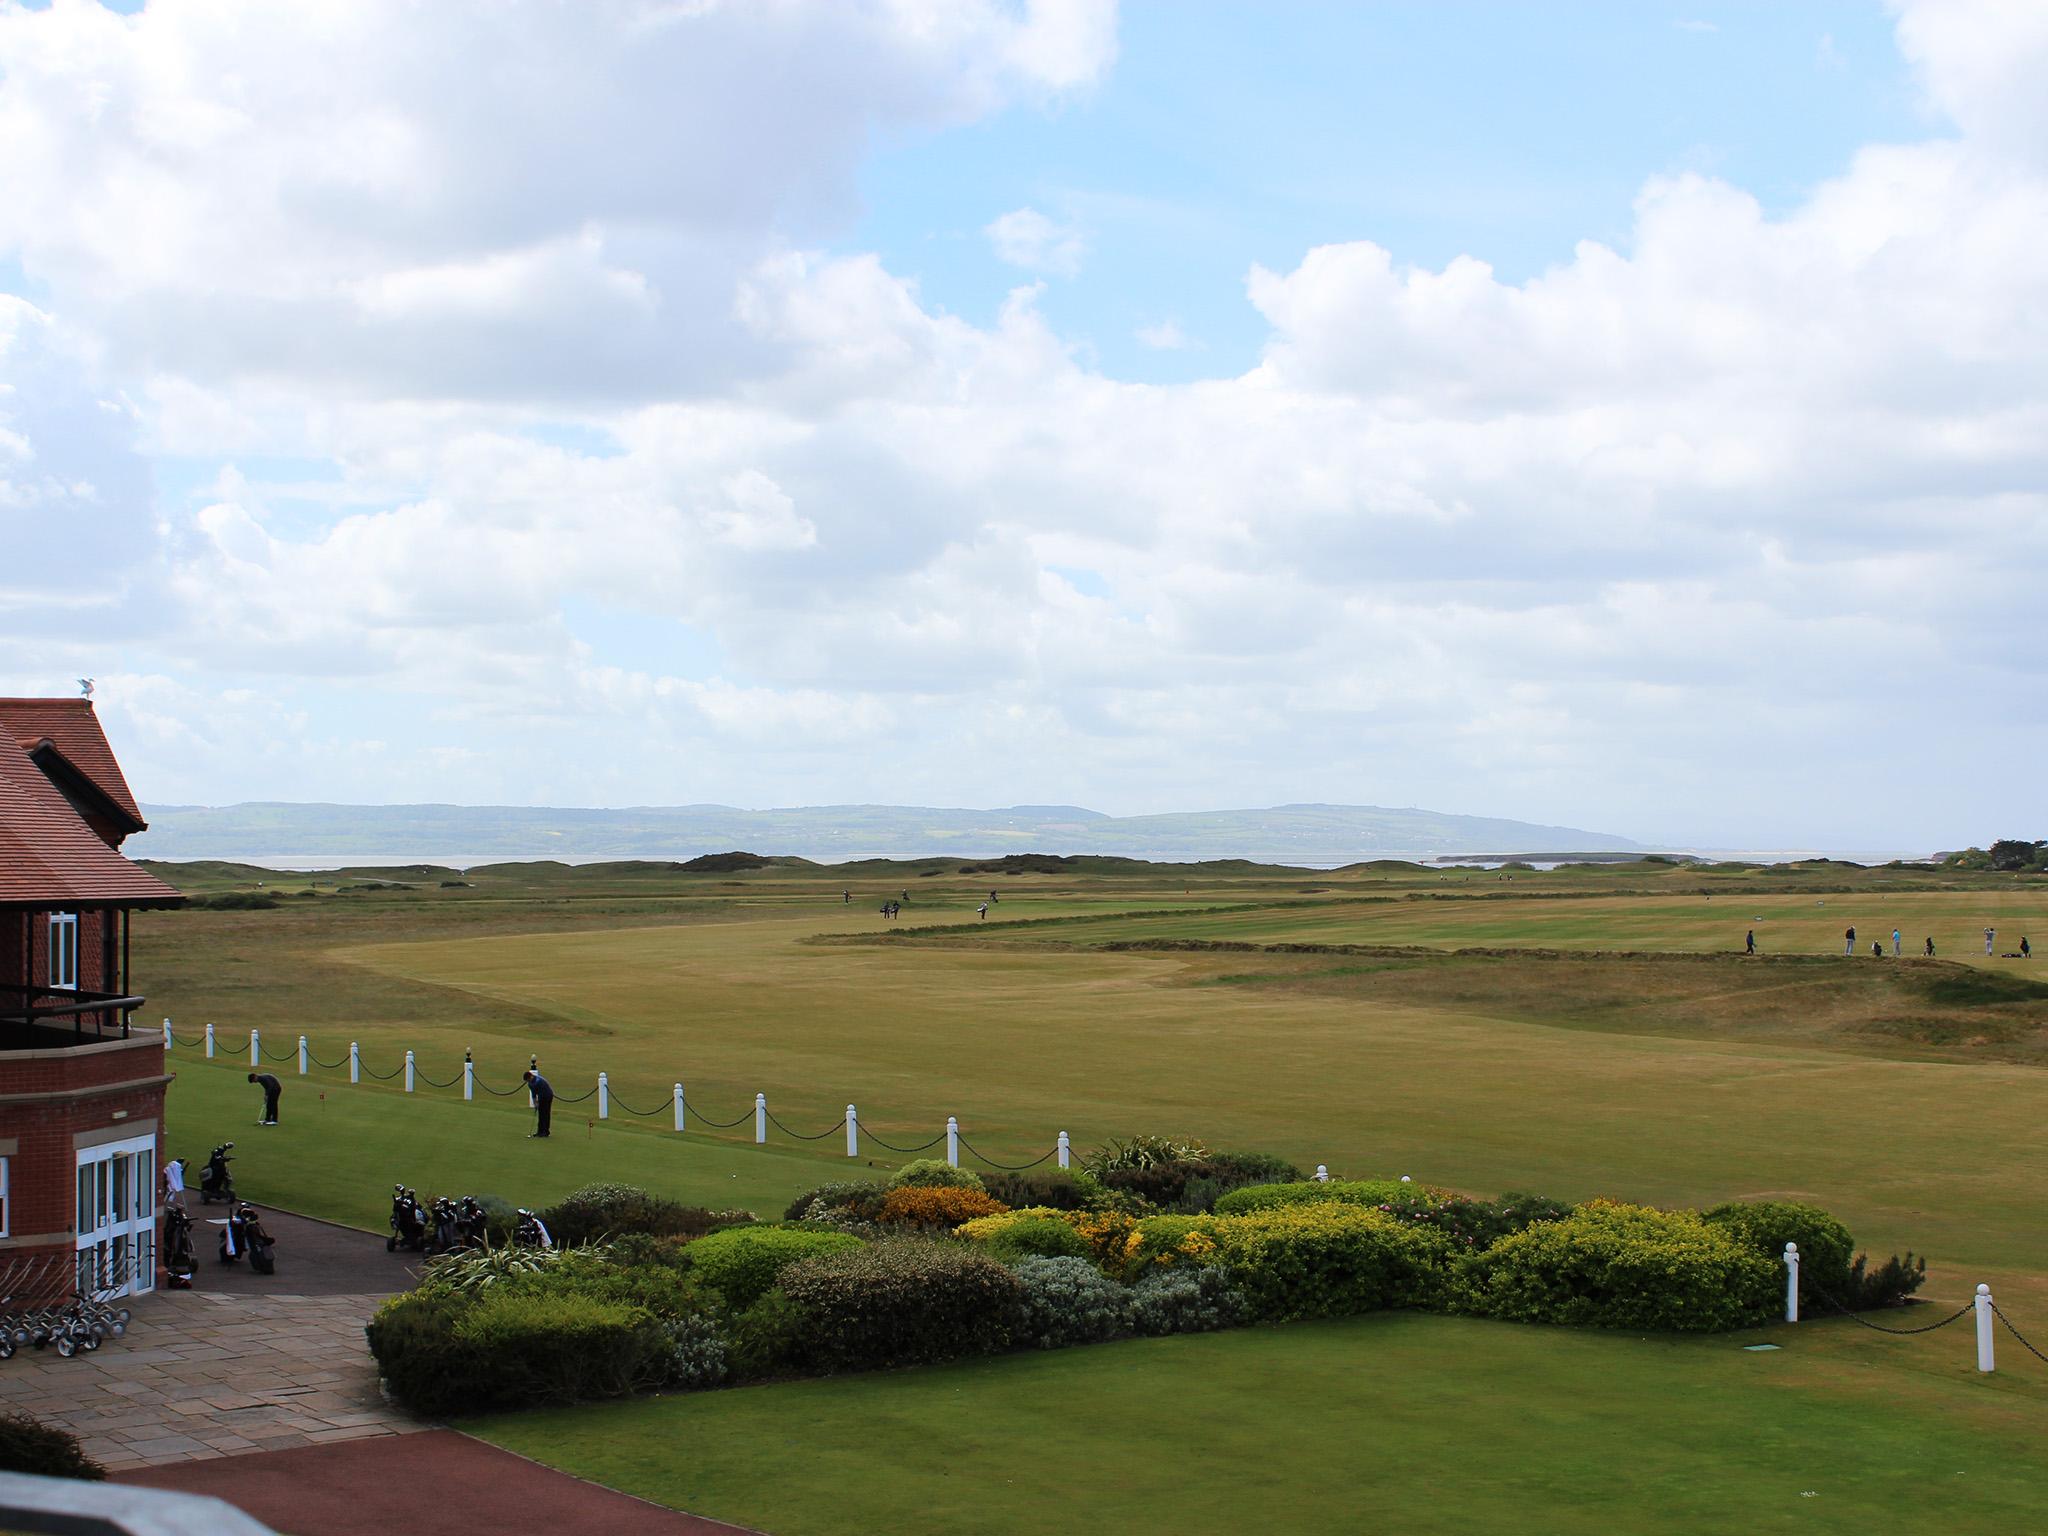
(117, 1218)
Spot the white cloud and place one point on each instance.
(1164, 336)
(1644, 539)
(1026, 238)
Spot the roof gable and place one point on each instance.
(71, 728)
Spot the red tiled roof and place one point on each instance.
(72, 727)
(49, 856)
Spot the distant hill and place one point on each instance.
(1318, 834)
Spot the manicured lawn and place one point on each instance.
(1394, 1423)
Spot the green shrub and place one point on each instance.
(1326, 1260)
(500, 1218)
(765, 1340)
(1195, 1184)
(446, 1355)
(1186, 1299)
(1058, 1189)
(1269, 1197)
(1886, 1286)
(698, 1351)
(741, 1264)
(932, 1173)
(1142, 1152)
(901, 1303)
(469, 1271)
(1766, 1226)
(1029, 1237)
(863, 1197)
(1469, 1225)
(609, 1210)
(1158, 1241)
(1624, 1266)
(1069, 1301)
(29, 1445)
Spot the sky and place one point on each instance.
(1625, 415)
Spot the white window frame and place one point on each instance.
(64, 951)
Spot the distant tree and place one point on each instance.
(2014, 853)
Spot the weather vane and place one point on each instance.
(85, 687)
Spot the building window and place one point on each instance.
(64, 950)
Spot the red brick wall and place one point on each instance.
(42, 1176)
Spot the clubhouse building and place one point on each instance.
(81, 1094)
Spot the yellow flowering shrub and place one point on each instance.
(1324, 1260)
(926, 1206)
(1159, 1241)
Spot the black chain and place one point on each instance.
(331, 1066)
(629, 1109)
(503, 1093)
(892, 1147)
(285, 1055)
(2024, 1344)
(799, 1136)
(721, 1125)
(577, 1098)
(1007, 1167)
(432, 1084)
(1896, 1332)
(382, 1077)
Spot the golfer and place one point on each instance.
(1896, 941)
(1749, 942)
(1990, 939)
(1849, 942)
(543, 1104)
(271, 1089)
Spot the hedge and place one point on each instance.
(1766, 1226)
(1610, 1265)
(1267, 1197)
(741, 1263)
(900, 1302)
(1327, 1260)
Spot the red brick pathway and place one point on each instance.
(434, 1483)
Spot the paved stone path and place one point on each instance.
(202, 1375)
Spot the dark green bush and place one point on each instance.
(1027, 1236)
(1194, 1185)
(609, 1210)
(29, 1445)
(765, 1340)
(901, 1302)
(861, 1197)
(1059, 1189)
(448, 1355)
(1886, 1286)
(1624, 1266)
(1766, 1226)
(1469, 1225)
(741, 1263)
(1268, 1197)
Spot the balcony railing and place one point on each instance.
(64, 1507)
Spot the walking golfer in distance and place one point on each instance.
(271, 1089)
(1990, 939)
(1849, 942)
(1896, 941)
(543, 1104)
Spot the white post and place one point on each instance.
(604, 1096)
(1984, 1362)
(408, 1071)
(679, 1106)
(209, 1042)
(255, 1051)
(302, 1055)
(760, 1118)
(355, 1063)
(952, 1142)
(167, 1034)
(852, 1132)
(468, 1076)
(1322, 1173)
(1791, 1282)
(1405, 1178)
(1066, 1150)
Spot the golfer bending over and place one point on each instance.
(543, 1103)
(271, 1089)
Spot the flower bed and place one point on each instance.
(930, 1266)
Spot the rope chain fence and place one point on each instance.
(890, 1146)
(2025, 1343)
(577, 1098)
(382, 1077)
(431, 1083)
(830, 1130)
(326, 1066)
(721, 1125)
(1896, 1332)
(645, 1114)
(967, 1147)
(502, 1093)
